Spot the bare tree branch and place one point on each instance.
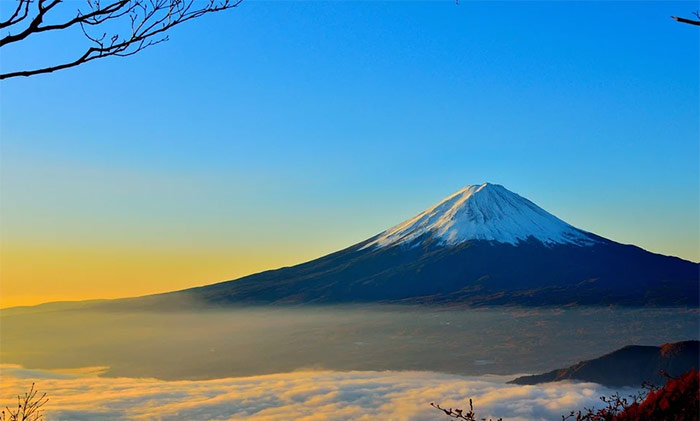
(460, 414)
(688, 21)
(34, 25)
(130, 26)
(22, 7)
(28, 407)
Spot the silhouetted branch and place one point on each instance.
(689, 21)
(133, 25)
(23, 8)
(28, 407)
(459, 414)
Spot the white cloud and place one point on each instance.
(308, 395)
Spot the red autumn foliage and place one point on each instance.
(678, 400)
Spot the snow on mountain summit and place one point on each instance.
(484, 212)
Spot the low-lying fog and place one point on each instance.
(252, 341)
(307, 395)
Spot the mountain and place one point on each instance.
(483, 245)
(628, 366)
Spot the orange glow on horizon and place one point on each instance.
(30, 276)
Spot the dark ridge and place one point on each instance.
(628, 366)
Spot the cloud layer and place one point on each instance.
(309, 395)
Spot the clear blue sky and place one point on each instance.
(281, 131)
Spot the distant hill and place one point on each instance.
(628, 366)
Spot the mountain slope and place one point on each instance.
(484, 245)
(628, 366)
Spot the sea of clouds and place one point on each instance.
(304, 395)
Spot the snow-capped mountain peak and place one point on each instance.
(484, 212)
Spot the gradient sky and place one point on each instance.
(281, 131)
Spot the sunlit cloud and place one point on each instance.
(308, 395)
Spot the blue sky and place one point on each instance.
(286, 130)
